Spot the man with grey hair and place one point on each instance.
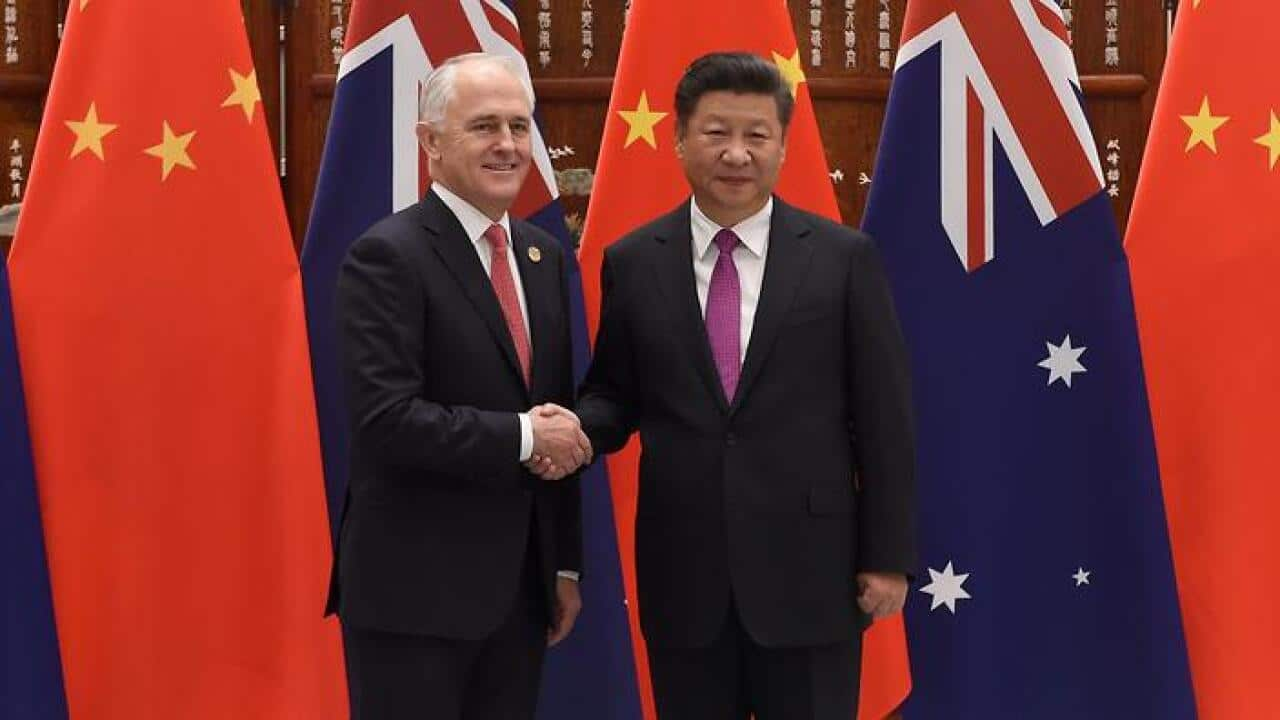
(456, 566)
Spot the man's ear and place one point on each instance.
(429, 139)
(679, 145)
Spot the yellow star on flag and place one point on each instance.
(790, 69)
(173, 151)
(89, 133)
(1271, 140)
(245, 94)
(1203, 125)
(640, 122)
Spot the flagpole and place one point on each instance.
(1170, 9)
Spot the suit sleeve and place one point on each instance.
(882, 422)
(569, 490)
(381, 312)
(606, 405)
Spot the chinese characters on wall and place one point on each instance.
(884, 22)
(337, 29)
(11, 53)
(1111, 50)
(544, 33)
(588, 32)
(15, 170)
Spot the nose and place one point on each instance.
(736, 154)
(506, 141)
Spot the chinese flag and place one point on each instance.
(1202, 242)
(638, 177)
(159, 316)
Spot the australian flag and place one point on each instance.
(30, 670)
(1047, 587)
(372, 167)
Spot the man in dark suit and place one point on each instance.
(456, 567)
(756, 350)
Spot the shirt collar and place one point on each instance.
(752, 231)
(474, 222)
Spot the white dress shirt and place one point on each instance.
(474, 223)
(749, 258)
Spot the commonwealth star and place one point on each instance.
(1063, 361)
(946, 588)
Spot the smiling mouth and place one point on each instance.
(500, 167)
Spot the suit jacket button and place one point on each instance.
(731, 440)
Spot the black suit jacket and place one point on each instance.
(780, 494)
(438, 510)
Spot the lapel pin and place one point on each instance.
(535, 255)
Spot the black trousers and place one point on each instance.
(394, 676)
(734, 678)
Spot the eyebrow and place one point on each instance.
(492, 117)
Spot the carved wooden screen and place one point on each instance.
(847, 47)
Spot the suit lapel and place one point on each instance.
(676, 281)
(788, 258)
(541, 293)
(458, 253)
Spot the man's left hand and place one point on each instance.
(881, 594)
(568, 605)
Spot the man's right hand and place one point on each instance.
(559, 445)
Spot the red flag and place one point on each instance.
(159, 314)
(1202, 244)
(639, 178)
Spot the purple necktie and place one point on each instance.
(724, 314)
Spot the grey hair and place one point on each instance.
(438, 89)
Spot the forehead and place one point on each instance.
(744, 107)
(483, 89)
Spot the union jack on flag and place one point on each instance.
(1007, 75)
(372, 167)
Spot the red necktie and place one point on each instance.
(504, 286)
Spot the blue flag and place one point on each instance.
(1047, 589)
(31, 673)
(371, 168)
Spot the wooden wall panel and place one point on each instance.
(262, 20)
(316, 30)
(29, 31)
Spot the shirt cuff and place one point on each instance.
(526, 436)
(573, 575)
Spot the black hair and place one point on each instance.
(736, 72)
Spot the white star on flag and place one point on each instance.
(1082, 576)
(945, 588)
(1063, 361)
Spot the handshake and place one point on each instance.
(559, 445)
